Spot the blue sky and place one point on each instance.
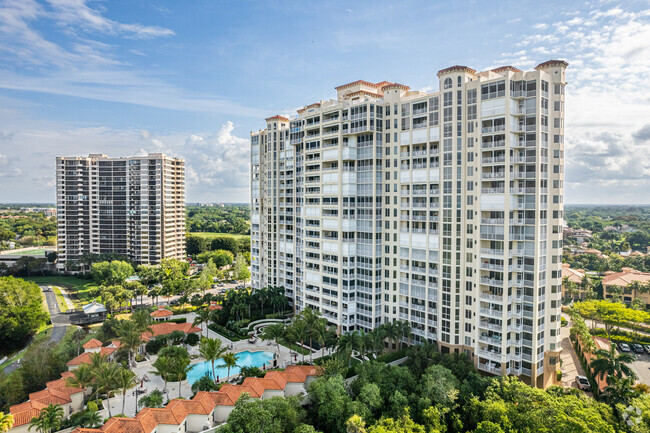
(193, 78)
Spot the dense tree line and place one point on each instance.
(21, 312)
(27, 228)
(431, 393)
(195, 245)
(234, 219)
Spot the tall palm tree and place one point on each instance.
(181, 367)
(274, 333)
(320, 333)
(310, 318)
(348, 343)
(211, 350)
(229, 361)
(48, 420)
(378, 335)
(392, 332)
(202, 316)
(106, 377)
(142, 320)
(81, 377)
(124, 381)
(78, 336)
(163, 368)
(6, 422)
(613, 364)
(298, 332)
(130, 338)
(405, 330)
(262, 297)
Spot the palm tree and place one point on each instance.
(348, 343)
(125, 380)
(274, 333)
(153, 399)
(320, 333)
(106, 377)
(366, 343)
(212, 351)
(230, 361)
(239, 308)
(202, 316)
(262, 296)
(378, 336)
(162, 367)
(392, 332)
(92, 419)
(78, 336)
(81, 377)
(130, 337)
(405, 330)
(621, 391)
(310, 318)
(611, 363)
(6, 422)
(48, 420)
(298, 332)
(181, 367)
(142, 320)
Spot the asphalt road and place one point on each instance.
(59, 321)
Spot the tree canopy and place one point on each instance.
(21, 312)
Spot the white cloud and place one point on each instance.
(607, 109)
(217, 164)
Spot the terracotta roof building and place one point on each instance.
(207, 409)
(161, 314)
(631, 281)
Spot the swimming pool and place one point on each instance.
(245, 359)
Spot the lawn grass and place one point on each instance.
(294, 347)
(211, 235)
(63, 306)
(78, 288)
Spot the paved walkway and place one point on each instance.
(571, 366)
(66, 297)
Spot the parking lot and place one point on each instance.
(642, 367)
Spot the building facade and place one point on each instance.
(130, 206)
(442, 209)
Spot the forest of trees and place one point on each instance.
(31, 228)
(232, 218)
(611, 242)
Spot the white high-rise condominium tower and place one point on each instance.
(442, 209)
(131, 206)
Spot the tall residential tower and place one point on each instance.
(442, 209)
(130, 206)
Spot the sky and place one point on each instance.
(192, 78)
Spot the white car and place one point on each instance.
(583, 383)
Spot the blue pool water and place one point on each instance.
(245, 359)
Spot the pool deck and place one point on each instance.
(286, 357)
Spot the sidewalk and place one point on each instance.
(571, 366)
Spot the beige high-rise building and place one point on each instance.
(443, 209)
(131, 206)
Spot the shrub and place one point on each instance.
(177, 320)
(215, 327)
(154, 345)
(192, 339)
(563, 321)
(559, 376)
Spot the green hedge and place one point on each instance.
(230, 335)
(177, 320)
(620, 336)
(391, 356)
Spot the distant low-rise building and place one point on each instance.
(580, 235)
(634, 284)
(574, 276)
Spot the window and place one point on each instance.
(471, 96)
(433, 119)
(471, 112)
(493, 90)
(460, 81)
(448, 83)
(433, 104)
(447, 114)
(447, 101)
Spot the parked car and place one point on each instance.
(646, 347)
(221, 285)
(623, 347)
(583, 383)
(214, 286)
(241, 286)
(637, 348)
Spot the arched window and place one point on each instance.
(460, 81)
(448, 83)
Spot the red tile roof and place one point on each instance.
(551, 63)
(456, 68)
(215, 306)
(204, 402)
(161, 312)
(165, 328)
(84, 358)
(506, 68)
(92, 344)
(277, 117)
